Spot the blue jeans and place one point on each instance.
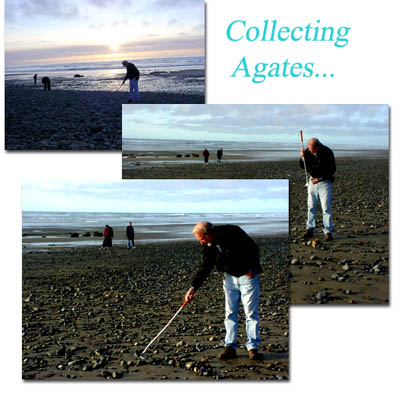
(323, 190)
(133, 86)
(129, 243)
(248, 290)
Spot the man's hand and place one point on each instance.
(315, 180)
(302, 152)
(189, 295)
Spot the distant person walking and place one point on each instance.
(130, 234)
(133, 74)
(35, 79)
(206, 154)
(220, 152)
(46, 82)
(108, 236)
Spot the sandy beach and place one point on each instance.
(351, 269)
(71, 120)
(88, 313)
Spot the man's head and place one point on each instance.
(125, 63)
(130, 223)
(313, 145)
(204, 232)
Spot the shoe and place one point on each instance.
(308, 234)
(229, 353)
(255, 355)
(130, 101)
(328, 237)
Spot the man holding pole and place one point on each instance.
(133, 74)
(319, 161)
(235, 254)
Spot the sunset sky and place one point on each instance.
(47, 31)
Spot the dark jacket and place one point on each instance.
(130, 233)
(233, 252)
(322, 165)
(132, 72)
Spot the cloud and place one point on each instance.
(266, 121)
(60, 9)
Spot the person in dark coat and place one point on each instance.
(130, 234)
(46, 82)
(133, 74)
(320, 164)
(34, 78)
(236, 255)
(108, 236)
(220, 152)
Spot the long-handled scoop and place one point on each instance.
(120, 86)
(304, 158)
(142, 356)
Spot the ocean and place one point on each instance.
(174, 74)
(239, 151)
(43, 229)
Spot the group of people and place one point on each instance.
(132, 74)
(108, 235)
(206, 155)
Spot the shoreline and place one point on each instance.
(94, 329)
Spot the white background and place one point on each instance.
(336, 352)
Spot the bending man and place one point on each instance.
(133, 74)
(235, 254)
(320, 164)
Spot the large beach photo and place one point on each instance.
(339, 203)
(70, 65)
(141, 280)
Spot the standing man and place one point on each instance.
(320, 164)
(130, 234)
(220, 152)
(133, 74)
(34, 78)
(206, 154)
(235, 254)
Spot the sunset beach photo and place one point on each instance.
(70, 65)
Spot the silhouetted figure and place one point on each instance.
(133, 74)
(46, 82)
(34, 78)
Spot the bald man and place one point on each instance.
(321, 166)
(233, 252)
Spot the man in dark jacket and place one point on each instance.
(233, 252)
(206, 154)
(320, 164)
(133, 74)
(130, 234)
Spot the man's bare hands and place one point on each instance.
(315, 180)
(302, 152)
(189, 295)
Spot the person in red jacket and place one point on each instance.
(108, 236)
(206, 154)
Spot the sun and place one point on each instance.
(114, 46)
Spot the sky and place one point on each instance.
(158, 196)
(48, 31)
(357, 125)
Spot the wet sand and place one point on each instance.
(72, 120)
(89, 313)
